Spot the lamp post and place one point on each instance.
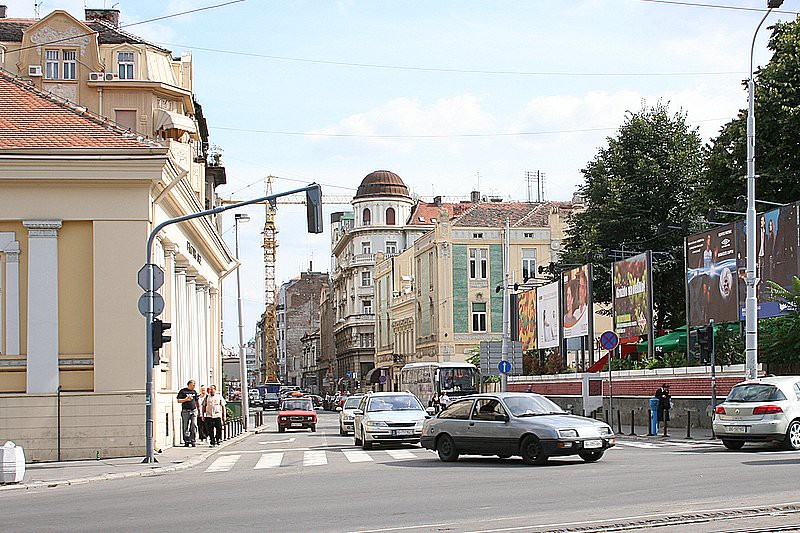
(751, 279)
(245, 387)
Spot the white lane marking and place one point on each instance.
(644, 445)
(223, 464)
(269, 460)
(357, 456)
(267, 450)
(277, 441)
(401, 454)
(315, 458)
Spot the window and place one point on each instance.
(477, 263)
(125, 118)
(487, 410)
(391, 247)
(366, 247)
(366, 279)
(390, 217)
(459, 410)
(366, 217)
(528, 235)
(366, 340)
(125, 65)
(528, 263)
(477, 235)
(70, 65)
(479, 316)
(366, 307)
(51, 64)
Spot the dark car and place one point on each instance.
(271, 401)
(297, 413)
(506, 424)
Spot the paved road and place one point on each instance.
(302, 481)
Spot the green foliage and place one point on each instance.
(728, 347)
(475, 359)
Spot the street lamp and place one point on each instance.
(751, 279)
(245, 388)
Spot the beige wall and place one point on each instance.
(75, 289)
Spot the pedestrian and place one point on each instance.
(202, 435)
(444, 400)
(187, 397)
(664, 403)
(434, 402)
(529, 390)
(213, 410)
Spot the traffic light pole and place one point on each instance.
(311, 189)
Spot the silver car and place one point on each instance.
(760, 410)
(513, 423)
(388, 417)
(346, 415)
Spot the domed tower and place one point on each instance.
(382, 199)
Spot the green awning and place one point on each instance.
(676, 340)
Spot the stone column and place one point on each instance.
(180, 363)
(168, 292)
(10, 289)
(42, 362)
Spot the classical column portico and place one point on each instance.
(42, 361)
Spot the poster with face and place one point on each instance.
(576, 302)
(631, 296)
(547, 315)
(711, 276)
(527, 319)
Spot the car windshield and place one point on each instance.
(405, 402)
(352, 403)
(297, 405)
(271, 396)
(531, 405)
(755, 392)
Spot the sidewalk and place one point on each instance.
(677, 434)
(41, 475)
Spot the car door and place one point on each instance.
(454, 421)
(490, 429)
(357, 419)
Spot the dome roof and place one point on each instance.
(382, 183)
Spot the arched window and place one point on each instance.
(390, 217)
(367, 217)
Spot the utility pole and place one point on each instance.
(506, 344)
(245, 386)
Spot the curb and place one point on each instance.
(661, 438)
(155, 471)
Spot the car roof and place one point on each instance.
(398, 393)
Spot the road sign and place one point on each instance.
(143, 277)
(609, 340)
(491, 355)
(382, 379)
(158, 303)
(504, 367)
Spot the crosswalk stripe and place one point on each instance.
(401, 454)
(357, 456)
(315, 458)
(269, 460)
(223, 464)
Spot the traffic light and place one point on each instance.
(705, 340)
(314, 209)
(159, 338)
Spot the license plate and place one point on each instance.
(399, 432)
(736, 429)
(296, 425)
(593, 443)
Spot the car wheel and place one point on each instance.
(446, 449)
(281, 429)
(313, 429)
(733, 444)
(591, 457)
(532, 452)
(365, 444)
(792, 440)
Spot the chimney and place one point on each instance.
(109, 16)
(3, 12)
(437, 200)
(475, 197)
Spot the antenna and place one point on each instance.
(478, 175)
(37, 6)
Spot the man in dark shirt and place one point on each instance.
(187, 397)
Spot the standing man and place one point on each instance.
(213, 410)
(187, 397)
(664, 403)
(444, 400)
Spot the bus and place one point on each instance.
(426, 380)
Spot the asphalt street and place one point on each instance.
(302, 481)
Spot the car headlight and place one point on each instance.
(376, 424)
(605, 430)
(348, 418)
(568, 433)
(418, 425)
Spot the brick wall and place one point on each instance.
(694, 386)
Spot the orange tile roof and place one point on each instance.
(30, 118)
(425, 213)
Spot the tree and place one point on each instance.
(646, 175)
(777, 112)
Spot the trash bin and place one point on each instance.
(654, 416)
(12, 463)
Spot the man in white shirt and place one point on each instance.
(213, 412)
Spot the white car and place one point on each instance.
(346, 416)
(388, 417)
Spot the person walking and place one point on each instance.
(213, 409)
(187, 397)
(202, 435)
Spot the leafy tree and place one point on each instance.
(646, 175)
(777, 112)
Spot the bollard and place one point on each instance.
(666, 423)
(607, 419)
(633, 430)
(649, 422)
(619, 422)
(688, 424)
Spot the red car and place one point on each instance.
(297, 413)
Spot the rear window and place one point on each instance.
(297, 405)
(755, 392)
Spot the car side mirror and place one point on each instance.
(431, 411)
(338, 408)
(501, 418)
(358, 412)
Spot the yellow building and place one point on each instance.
(80, 194)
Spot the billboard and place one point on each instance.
(632, 295)
(576, 290)
(547, 314)
(711, 282)
(526, 321)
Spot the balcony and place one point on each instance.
(362, 259)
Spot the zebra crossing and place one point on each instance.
(313, 458)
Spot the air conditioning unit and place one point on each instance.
(110, 76)
(96, 76)
(34, 70)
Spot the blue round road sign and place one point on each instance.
(504, 367)
(609, 340)
(382, 379)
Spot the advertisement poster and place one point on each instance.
(631, 296)
(527, 319)
(547, 316)
(711, 276)
(776, 256)
(576, 302)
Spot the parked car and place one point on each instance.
(388, 417)
(760, 410)
(255, 397)
(346, 415)
(512, 423)
(297, 413)
(271, 401)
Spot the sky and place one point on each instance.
(452, 95)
